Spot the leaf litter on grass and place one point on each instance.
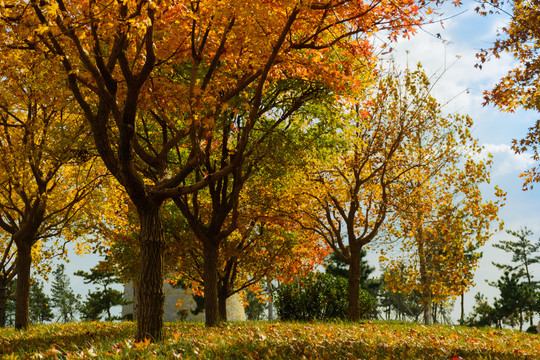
(263, 340)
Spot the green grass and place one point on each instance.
(262, 340)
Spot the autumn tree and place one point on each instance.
(47, 170)
(262, 243)
(154, 78)
(348, 197)
(442, 220)
(520, 86)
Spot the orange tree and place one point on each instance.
(153, 79)
(261, 243)
(520, 87)
(47, 171)
(347, 198)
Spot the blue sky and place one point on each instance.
(461, 38)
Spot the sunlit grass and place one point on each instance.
(263, 340)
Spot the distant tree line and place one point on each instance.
(519, 298)
(63, 305)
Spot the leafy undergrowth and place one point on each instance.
(263, 340)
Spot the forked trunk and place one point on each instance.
(211, 252)
(150, 294)
(24, 264)
(354, 285)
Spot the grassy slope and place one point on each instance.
(269, 341)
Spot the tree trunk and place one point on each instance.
(3, 301)
(150, 294)
(270, 301)
(24, 264)
(222, 301)
(462, 317)
(426, 289)
(211, 252)
(354, 284)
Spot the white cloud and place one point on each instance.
(505, 160)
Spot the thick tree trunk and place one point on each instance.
(211, 252)
(354, 284)
(150, 294)
(3, 301)
(24, 264)
(222, 301)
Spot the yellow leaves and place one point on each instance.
(52, 8)
(142, 345)
(11, 356)
(42, 29)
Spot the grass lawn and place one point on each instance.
(263, 340)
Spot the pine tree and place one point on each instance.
(63, 298)
(40, 304)
(524, 254)
(337, 267)
(98, 303)
(516, 299)
(10, 303)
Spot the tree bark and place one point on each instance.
(211, 252)
(150, 295)
(24, 264)
(354, 284)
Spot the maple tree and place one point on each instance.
(47, 170)
(154, 78)
(520, 86)
(397, 133)
(260, 249)
(253, 241)
(440, 236)
(442, 220)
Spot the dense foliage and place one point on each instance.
(318, 297)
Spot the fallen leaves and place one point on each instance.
(262, 340)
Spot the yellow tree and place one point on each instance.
(154, 78)
(46, 169)
(348, 198)
(263, 244)
(440, 228)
